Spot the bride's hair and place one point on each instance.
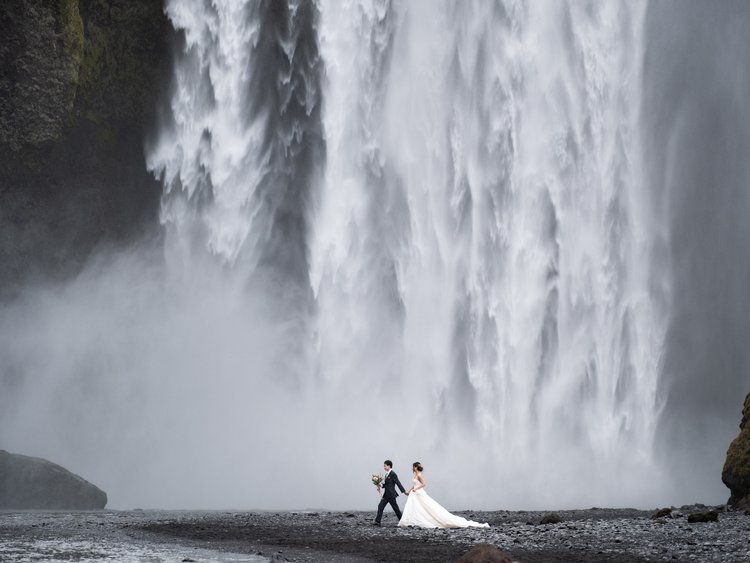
(418, 466)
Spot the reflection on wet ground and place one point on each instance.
(97, 536)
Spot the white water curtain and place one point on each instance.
(479, 242)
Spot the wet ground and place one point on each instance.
(616, 535)
(98, 536)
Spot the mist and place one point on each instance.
(174, 392)
(696, 135)
(180, 393)
(145, 387)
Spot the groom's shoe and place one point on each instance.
(376, 524)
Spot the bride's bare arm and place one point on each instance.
(421, 482)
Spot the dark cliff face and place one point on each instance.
(80, 81)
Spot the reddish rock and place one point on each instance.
(551, 518)
(485, 553)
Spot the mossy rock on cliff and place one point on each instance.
(105, 61)
(123, 66)
(70, 28)
(736, 473)
(40, 55)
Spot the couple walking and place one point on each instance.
(420, 510)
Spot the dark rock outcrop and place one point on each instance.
(736, 473)
(80, 82)
(710, 516)
(30, 483)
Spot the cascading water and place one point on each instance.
(245, 138)
(476, 232)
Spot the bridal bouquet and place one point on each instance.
(377, 480)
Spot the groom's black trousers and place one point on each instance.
(381, 507)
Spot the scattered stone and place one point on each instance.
(662, 513)
(736, 472)
(710, 516)
(551, 518)
(615, 535)
(485, 553)
(29, 483)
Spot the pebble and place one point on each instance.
(584, 535)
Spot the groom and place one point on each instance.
(389, 494)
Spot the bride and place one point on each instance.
(422, 511)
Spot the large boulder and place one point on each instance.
(30, 483)
(736, 473)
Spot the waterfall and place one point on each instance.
(456, 191)
(245, 135)
(505, 238)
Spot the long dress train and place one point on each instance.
(423, 511)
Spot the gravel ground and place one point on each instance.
(99, 536)
(616, 535)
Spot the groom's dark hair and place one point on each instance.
(388, 462)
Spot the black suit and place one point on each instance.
(389, 495)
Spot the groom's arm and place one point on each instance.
(395, 478)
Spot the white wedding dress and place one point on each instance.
(423, 511)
